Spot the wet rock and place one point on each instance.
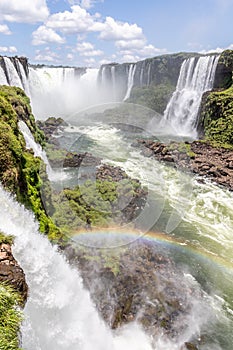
(136, 282)
(11, 272)
(198, 157)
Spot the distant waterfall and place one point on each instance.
(131, 74)
(195, 78)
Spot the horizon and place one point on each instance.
(89, 33)
(110, 63)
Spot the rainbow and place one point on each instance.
(116, 237)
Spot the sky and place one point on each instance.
(93, 32)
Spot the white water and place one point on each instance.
(3, 80)
(206, 207)
(12, 73)
(131, 73)
(194, 80)
(58, 92)
(59, 313)
(39, 152)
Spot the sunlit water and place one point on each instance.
(197, 216)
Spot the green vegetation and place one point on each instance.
(6, 239)
(10, 318)
(20, 172)
(182, 147)
(155, 97)
(217, 117)
(99, 203)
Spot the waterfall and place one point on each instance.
(59, 313)
(3, 79)
(195, 78)
(148, 76)
(131, 74)
(14, 77)
(113, 76)
(39, 152)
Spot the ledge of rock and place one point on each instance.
(11, 272)
(198, 157)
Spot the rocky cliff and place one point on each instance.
(216, 112)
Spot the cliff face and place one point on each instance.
(20, 172)
(216, 112)
(153, 79)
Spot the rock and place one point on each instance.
(114, 278)
(11, 272)
(197, 157)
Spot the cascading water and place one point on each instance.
(39, 152)
(59, 313)
(132, 70)
(195, 78)
(14, 78)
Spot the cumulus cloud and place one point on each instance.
(4, 29)
(6, 49)
(26, 11)
(115, 30)
(90, 62)
(86, 4)
(72, 22)
(84, 46)
(88, 49)
(46, 55)
(130, 44)
(44, 35)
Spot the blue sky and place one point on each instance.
(92, 32)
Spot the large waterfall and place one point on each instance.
(195, 78)
(59, 312)
(62, 91)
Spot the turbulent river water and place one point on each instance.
(195, 217)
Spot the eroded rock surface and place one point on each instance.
(11, 272)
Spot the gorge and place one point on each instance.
(159, 281)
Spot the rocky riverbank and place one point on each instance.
(10, 271)
(198, 157)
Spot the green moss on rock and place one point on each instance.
(217, 116)
(20, 172)
(155, 97)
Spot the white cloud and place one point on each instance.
(90, 61)
(77, 21)
(104, 61)
(92, 53)
(10, 49)
(88, 49)
(114, 30)
(150, 50)
(130, 44)
(70, 56)
(46, 55)
(26, 11)
(85, 46)
(134, 54)
(44, 35)
(86, 4)
(4, 29)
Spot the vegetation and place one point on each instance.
(99, 204)
(155, 97)
(217, 117)
(20, 172)
(10, 318)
